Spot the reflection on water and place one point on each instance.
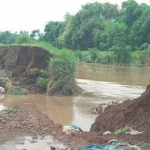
(101, 83)
(29, 143)
(59, 109)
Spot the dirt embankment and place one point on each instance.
(24, 63)
(133, 113)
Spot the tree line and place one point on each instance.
(97, 26)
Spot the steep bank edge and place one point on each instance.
(24, 63)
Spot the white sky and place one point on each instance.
(17, 15)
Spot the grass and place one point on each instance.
(123, 130)
(16, 91)
(45, 45)
(143, 144)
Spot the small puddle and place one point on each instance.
(33, 143)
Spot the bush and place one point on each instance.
(5, 83)
(122, 55)
(123, 130)
(143, 144)
(16, 91)
(62, 69)
(78, 55)
(24, 38)
(93, 54)
(42, 82)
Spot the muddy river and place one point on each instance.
(101, 84)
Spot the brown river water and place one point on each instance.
(101, 84)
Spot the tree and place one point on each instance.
(7, 37)
(24, 38)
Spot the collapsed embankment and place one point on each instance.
(133, 113)
(31, 70)
(23, 65)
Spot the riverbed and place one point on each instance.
(101, 84)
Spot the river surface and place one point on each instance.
(101, 84)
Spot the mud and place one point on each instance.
(133, 113)
(28, 121)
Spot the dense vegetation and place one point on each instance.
(102, 33)
(62, 69)
(101, 27)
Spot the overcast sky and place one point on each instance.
(16, 15)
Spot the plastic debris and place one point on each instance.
(107, 132)
(112, 146)
(134, 132)
(71, 128)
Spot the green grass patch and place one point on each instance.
(142, 144)
(16, 91)
(123, 130)
(45, 45)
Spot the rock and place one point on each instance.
(134, 113)
(52, 148)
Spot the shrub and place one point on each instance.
(24, 38)
(123, 130)
(5, 83)
(143, 144)
(62, 78)
(93, 54)
(122, 55)
(78, 55)
(42, 82)
(16, 91)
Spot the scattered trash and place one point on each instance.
(114, 145)
(71, 128)
(76, 127)
(134, 132)
(113, 140)
(92, 147)
(2, 90)
(100, 109)
(107, 132)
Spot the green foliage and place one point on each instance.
(5, 83)
(104, 27)
(123, 130)
(53, 31)
(14, 90)
(141, 58)
(78, 55)
(62, 70)
(97, 27)
(7, 37)
(24, 38)
(42, 82)
(122, 54)
(143, 144)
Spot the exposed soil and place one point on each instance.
(23, 64)
(28, 121)
(134, 113)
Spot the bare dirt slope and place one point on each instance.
(134, 113)
(24, 64)
(15, 58)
